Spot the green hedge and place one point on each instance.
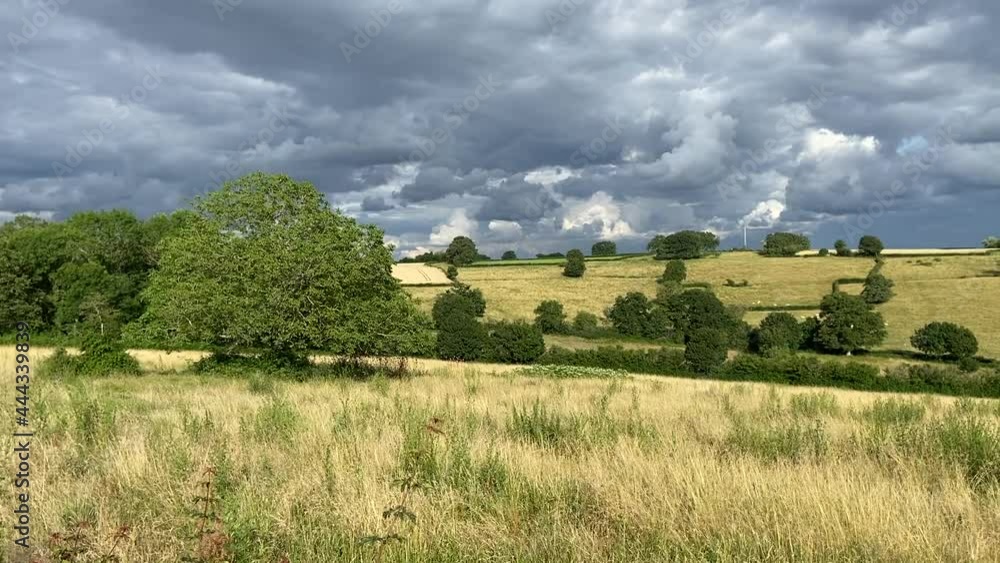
(659, 361)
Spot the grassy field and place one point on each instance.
(961, 289)
(511, 468)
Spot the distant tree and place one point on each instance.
(991, 242)
(630, 314)
(575, 266)
(246, 272)
(841, 248)
(705, 349)
(31, 251)
(777, 332)
(509, 255)
(551, 255)
(942, 338)
(452, 272)
(824, 252)
(683, 245)
(482, 258)
(697, 308)
(870, 246)
(848, 324)
(877, 289)
(550, 317)
(674, 271)
(462, 251)
(585, 323)
(515, 343)
(785, 244)
(604, 248)
(426, 257)
(459, 299)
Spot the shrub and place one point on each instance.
(604, 248)
(696, 308)
(683, 245)
(705, 349)
(841, 248)
(878, 289)
(515, 343)
(785, 244)
(630, 314)
(509, 255)
(991, 242)
(942, 338)
(460, 337)
(104, 355)
(824, 252)
(847, 324)
(778, 331)
(550, 318)
(575, 266)
(674, 271)
(452, 273)
(462, 251)
(662, 361)
(585, 323)
(968, 364)
(461, 298)
(870, 246)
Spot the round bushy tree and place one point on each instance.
(785, 244)
(878, 289)
(697, 308)
(778, 331)
(630, 313)
(266, 263)
(705, 349)
(824, 252)
(585, 323)
(841, 248)
(604, 248)
(575, 266)
(847, 324)
(550, 317)
(452, 273)
(945, 339)
(462, 251)
(683, 245)
(509, 255)
(870, 246)
(459, 299)
(674, 271)
(515, 343)
(460, 337)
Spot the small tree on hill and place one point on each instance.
(585, 323)
(674, 271)
(550, 317)
(460, 335)
(509, 255)
(452, 272)
(575, 266)
(824, 252)
(841, 248)
(459, 299)
(683, 245)
(515, 343)
(785, 244)
(604, 248)
(878, 289)
(870, 246)
(462, 251)
(630, 314)
(705, 349)
(847, 324)
(778, 331)
(945, 339)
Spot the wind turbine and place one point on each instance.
(745, 229)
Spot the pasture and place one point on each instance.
(961, 289)
(511, 467)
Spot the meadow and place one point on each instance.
(960, 289)
(498, 464)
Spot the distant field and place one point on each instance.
(419, 274)
(916, 251)
(962, 289)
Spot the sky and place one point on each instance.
(531, 125)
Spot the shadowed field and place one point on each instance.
(514, 468)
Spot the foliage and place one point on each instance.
(991, 242)
(870, 245)
(509, 255)
(452, 272)
(841, 248)
(695, 309)
(550, 317)
(630, 314)
(257, 241)
(824, 252)
(945, 339)
(705, 349)
(777, 332)
(462, 251)
(878, 289)
(429, 256)
(575, 266)
(661, 361)
(683, 245)
(515, 343)
(460, 337)
(461, 299)
(551, 255)
(570, 372)
(604, 248)
(847, 324)
(785, 244)
(674, 271)
(585, 323)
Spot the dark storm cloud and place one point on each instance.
(713, 104)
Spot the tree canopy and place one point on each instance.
(785, 244)
(462, 251)
(604, 248)
(683, 245)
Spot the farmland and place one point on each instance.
(517, 468)
(960, 289)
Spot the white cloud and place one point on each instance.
(459, 224)
(506, 230)
(599, 213)
(824, 143)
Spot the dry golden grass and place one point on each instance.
(418, 274)
(640, 469)
(932, 288)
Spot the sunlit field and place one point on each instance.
(960, 289)
(508, 467)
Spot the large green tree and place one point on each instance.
(462, 251)
(266, 263)
(604, 248)
(683, 245)
(785, 244)
(847, 323)
(31, 251)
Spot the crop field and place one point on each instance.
(507, 467)
(419, 274)
(960, 289)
